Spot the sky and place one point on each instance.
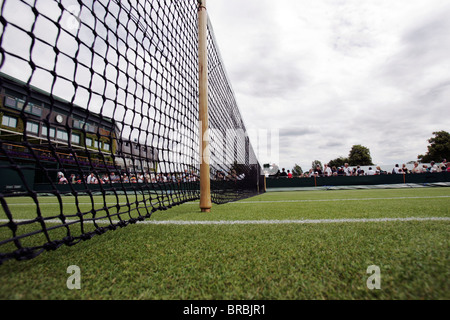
(311, 78)
(321, 76)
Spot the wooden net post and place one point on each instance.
(205, 183)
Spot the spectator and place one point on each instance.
(289, 174)
(396, 169)
(370, 172)
(433, 167)
(283, 173)
(347, 170)
(379, 171)
(416, 168)
(91, 179)
(327, 170)
(334, 171)
(359, 171)
(404, 169)
(114, 178)
(318, 171)
(62, 179)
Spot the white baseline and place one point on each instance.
(244, 222)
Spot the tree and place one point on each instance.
(297, 171)
(338, 162)
(359, 156)
(438, 149)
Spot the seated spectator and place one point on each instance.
(91, 179)
(283, 173)
(416, 168)
(433, 167)
(396, 170)
(327, 170)
(318, 171)
(289, 174)
(379, 171)
(347, 170)
(104, 178)
(114, 178)
(404, 169)
(334, 171)
(446, 165)
(370, 172)
(359, 171)
(62, 179)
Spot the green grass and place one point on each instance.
(261, 261)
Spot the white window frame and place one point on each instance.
(32, 127)
(9, 121)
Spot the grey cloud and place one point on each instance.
(271, 78)
(379, 77)
(296, 132)
(424, 47)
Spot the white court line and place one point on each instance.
(306, 221)
(243, 222)
(348, 199)
(243, 201)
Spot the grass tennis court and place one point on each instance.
(279, 245)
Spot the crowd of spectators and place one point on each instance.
(112, 177)
(191, 176)
(145, 177)
(346, 170)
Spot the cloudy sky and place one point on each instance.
(328, 74)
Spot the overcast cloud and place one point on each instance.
(330, 74)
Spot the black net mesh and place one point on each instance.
(99, 119)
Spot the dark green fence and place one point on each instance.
(16, 178)
(423, 179)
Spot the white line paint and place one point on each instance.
(348, 199)
(306, 221)
(240, 202)
(245, 222)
